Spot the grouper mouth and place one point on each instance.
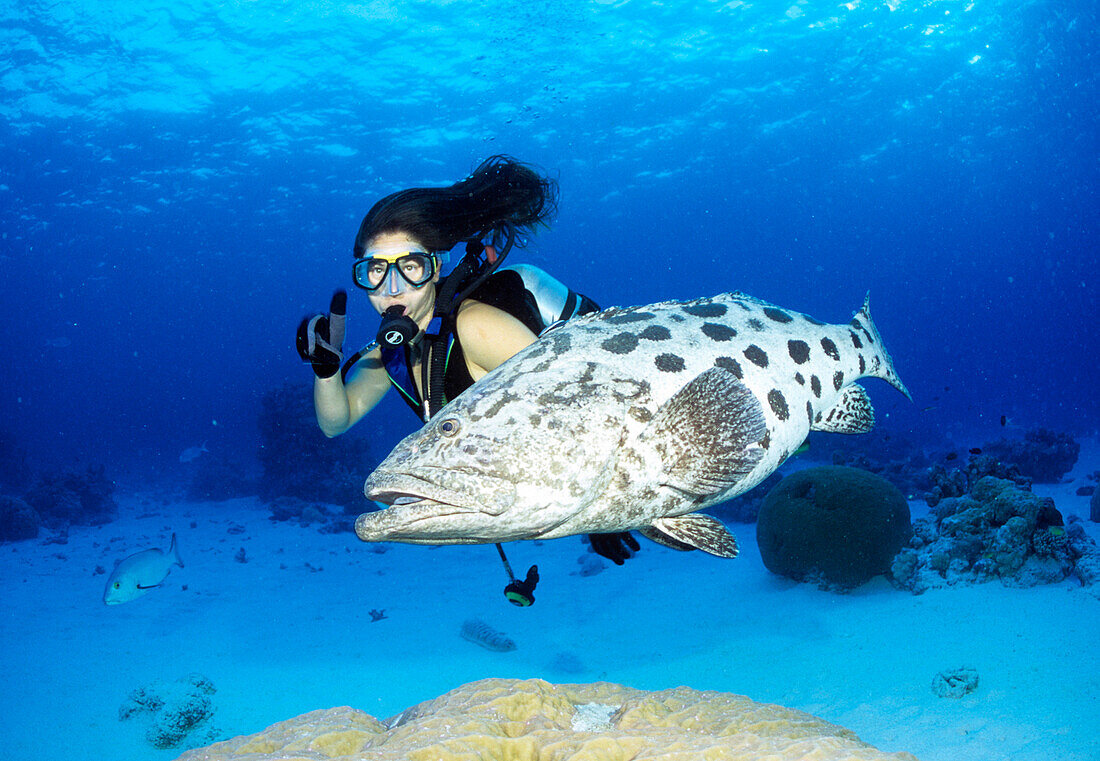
(418, 511)
(405, 491)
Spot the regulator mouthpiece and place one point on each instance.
(397, 328)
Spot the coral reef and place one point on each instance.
(480, 633)
(834, 525)
(955, 683)
(176, 711)
(1042, 455)
(18, 520)
(944, 482)
(518, 719)
(997, 530)
(299, 461)
(74, 498)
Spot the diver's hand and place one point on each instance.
(615, 547)
(320, 339)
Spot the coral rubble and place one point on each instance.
(308, 514)
(176, 712)
(955, 683)
(513, 719)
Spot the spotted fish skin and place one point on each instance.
(631, 418)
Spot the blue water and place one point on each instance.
(180, 183)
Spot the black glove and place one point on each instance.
(320, 339)
(615, 547)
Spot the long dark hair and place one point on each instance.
(501, 190)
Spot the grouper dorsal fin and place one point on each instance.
(707, 434)
(852, 413)
(693, 531)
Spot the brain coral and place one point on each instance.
(836, 524)
(533, 719)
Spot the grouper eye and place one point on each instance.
(449, 427)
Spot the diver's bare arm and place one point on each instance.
(339, 406)
(489, 336)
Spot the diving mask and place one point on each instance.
(396, 270)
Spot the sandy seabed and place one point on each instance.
(289, 631)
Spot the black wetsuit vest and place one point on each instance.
(504, 290)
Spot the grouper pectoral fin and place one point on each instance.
(655, 535)
(707, 434)
(852, 413)
(693, 531)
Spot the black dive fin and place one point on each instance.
(707, 434)
(693, 531)
(852, 413)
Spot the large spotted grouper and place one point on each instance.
(631, 418)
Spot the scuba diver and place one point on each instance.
(439, 335)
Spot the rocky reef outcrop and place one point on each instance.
(1043, 455)
(517, 719)
(18, 520)
(836, 526)
(998, 530)
(74, 498)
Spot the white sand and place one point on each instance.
(278, 641)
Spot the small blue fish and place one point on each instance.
(193, 453)
(139, 573)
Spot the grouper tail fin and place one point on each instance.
(174, 553)
(881, 366)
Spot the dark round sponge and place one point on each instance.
(845, 524)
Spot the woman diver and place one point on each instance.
(441, 334)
